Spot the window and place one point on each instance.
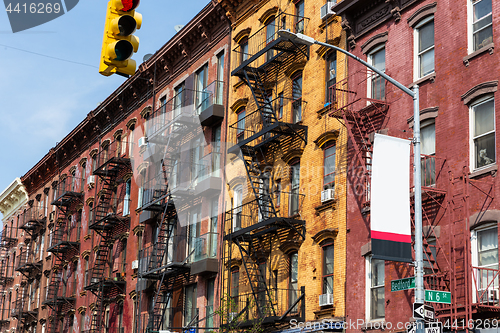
(210, 302)
(190, 309)
(375, 288)
(424, 48)
(295, 187)
(481, 28)
(261, 285)
(293, 284)
(279, 108)
(142, 180)
(201, 83)
(485, 247)
(277, 192)
(297, 98)
(237, 207)
(428, 150)
(299, 17)
(216, 149)
(244, 50)
(240, 131)
(219, 93)
(126, 200)
(331, 76)
(196, 159)
(328, 260)
(179, 99)
(131, 138)
(78, 224)
(235, 283)
(270, 32)
(483, 133)
(329, 166)
(82, 185)
(376, 84)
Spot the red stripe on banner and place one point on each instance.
(391, 237)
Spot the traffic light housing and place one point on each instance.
(118, 43)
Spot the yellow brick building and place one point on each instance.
(285, 236)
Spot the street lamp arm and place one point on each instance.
(379, 72)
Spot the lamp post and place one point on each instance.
(419, 279)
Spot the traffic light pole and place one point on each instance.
(414, 94)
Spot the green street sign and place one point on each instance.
(438, 296)
(403, 284)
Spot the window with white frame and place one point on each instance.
(424, 48)
(428, 150)
(484, 246)
(481, 25)
(376, 84)
(375, 288)
(482, 133)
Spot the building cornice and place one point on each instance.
(12, 198)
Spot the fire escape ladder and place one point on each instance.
(460, 308)
(256, 279)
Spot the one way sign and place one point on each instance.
(422, 311)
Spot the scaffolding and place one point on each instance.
(270, 128)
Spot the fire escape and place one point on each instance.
(166, 262)
(64, 244)
(446, 198)
(258, 225)
(7, 241)
(110, 218)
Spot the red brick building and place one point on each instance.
(97, 206)
(447, 48)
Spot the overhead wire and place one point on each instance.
(48, 56)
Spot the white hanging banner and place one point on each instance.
(390, 199)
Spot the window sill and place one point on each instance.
(325, 206)
(374, 324)
(481, 172)
(490, 48)
(429, 77)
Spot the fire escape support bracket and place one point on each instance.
(301, 233)
(301, 298)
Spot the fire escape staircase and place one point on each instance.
(106, 224)
(271, 136)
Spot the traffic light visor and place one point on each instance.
(120, 50)
(124, 25)
(127, 5)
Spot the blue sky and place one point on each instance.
(42, 99)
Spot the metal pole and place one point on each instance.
(419, 279)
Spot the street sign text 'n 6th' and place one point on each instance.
(436, 296)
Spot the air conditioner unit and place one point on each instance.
(90, 180)
(135, 264)
(143, 142)
(327, 195)
(325, 299)
(51, 216)
(326, 10)
(233, 315)
(489, 295)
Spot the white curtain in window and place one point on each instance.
(428, 140)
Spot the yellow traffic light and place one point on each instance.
(118, 43)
